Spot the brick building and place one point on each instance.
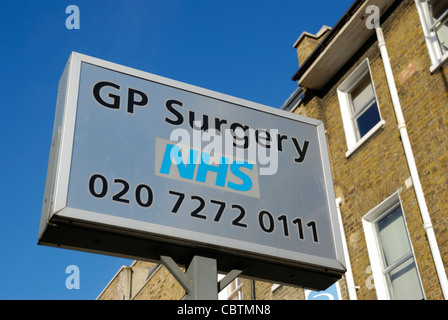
(378, 81)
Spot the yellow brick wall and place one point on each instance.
(379, 169)
(112, 292)
(162, 286)
(307, 44)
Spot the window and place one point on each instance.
(359, 107)
(391, 254)
(364, 107)
(235, 290)
(439, 17)
(434, 20)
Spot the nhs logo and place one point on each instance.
(206, 167)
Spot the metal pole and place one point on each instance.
(200, 279)
(203, 274)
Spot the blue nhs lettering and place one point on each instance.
(199, 163)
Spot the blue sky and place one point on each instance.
(241, 48)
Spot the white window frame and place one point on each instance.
(432, 43)
(373, 245)
(343, 91)
(235, 289)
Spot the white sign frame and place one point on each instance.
(63, 226)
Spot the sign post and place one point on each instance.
(199, 281)
(143, 166)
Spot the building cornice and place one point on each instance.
(340, 44)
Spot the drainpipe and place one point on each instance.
(427, 224)
(349, 273)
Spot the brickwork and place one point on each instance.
(128, 281)
(306, 43)
(379, 168)
(161, 286)
(112, 291)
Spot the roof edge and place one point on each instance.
(333, 32)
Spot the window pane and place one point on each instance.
(393, 236)
(368, 120)
(437, 9)
(404, 282)
(232, 292)
(364, 107)
(362, 93)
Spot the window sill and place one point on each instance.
(439, 63)
(380, 125)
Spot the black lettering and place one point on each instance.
(220, 211)
(92, 190)
(237, 221)
(143, 101)
(115, 98)
(179, 200)
(298, 222)
(280, 138)
(119, 196)
(138, 195)
(169, 105)
(313, 226)
(284, 220)
(263, 138)
(300, 151)
(218, 123)
(245, 138)
(270, 227)
(204, 123)
(195, 212)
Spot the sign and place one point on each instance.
(331, 293)
(143, 166)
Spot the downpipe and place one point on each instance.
(427, 224)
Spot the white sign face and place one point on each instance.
(141, 155)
